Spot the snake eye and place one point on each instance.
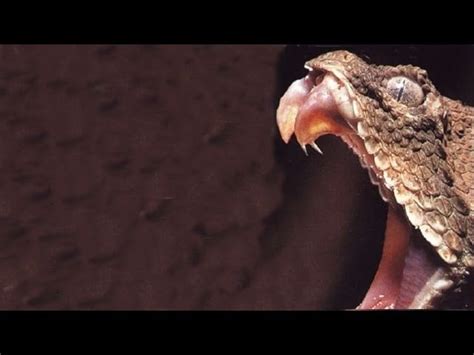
(405, 91)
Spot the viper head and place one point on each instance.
(342, 94)
(392, 117)
(395, 120)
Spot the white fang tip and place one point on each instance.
(316, 148)
(303, 146)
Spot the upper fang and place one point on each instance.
(303, 146)
(316, 148)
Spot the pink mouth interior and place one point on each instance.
(310, 111)
(404, 270)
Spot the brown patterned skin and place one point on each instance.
(424, 149)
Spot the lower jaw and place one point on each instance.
(408, 276)
(407, 272)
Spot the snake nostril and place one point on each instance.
(317, 76)
(318, 79)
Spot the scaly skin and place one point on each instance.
(423, 152)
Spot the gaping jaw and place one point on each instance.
(325, 102)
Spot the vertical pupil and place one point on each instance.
(402, 88)
(405, 91)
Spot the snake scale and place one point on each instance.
(416, 143)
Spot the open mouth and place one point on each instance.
(409, 275)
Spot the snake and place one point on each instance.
(417, 146)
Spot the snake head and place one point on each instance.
(400, 127)
(341, 90)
